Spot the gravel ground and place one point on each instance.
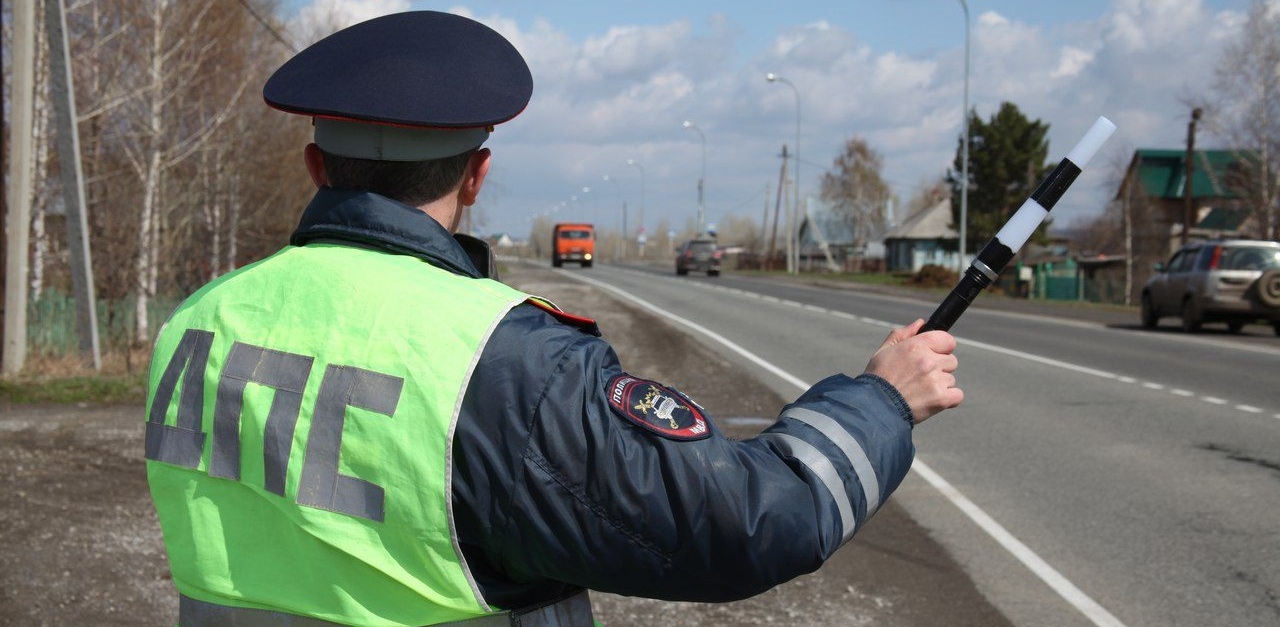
(79, 541)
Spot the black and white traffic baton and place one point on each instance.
(1001, 249)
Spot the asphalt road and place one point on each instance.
(893, 574)
(80, 543)
(1097, 474)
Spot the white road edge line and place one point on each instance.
(1055, 580)
(1060, 584)
(772, 369)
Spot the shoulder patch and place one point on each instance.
(657, 408)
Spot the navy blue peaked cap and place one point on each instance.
(421, 69)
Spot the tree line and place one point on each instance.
(187, 173)
(1008, 153)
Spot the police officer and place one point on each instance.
(366, 429)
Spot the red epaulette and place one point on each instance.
(586, 325)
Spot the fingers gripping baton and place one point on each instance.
(997, 253)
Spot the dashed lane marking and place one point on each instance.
(1073, 595)
(1151, 385)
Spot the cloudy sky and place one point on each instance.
(614, 81)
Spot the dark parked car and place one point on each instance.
(699, 255)
(1231, 281)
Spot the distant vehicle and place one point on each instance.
(573, 242)
(699, 255)
(1231, 281)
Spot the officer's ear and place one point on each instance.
(473, 178)
(314, 159)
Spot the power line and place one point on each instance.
(760, 192)
(270, 29)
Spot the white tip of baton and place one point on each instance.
(1092, 141)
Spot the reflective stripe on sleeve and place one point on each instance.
(818, 463)
(849, 446)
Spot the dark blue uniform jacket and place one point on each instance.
(568, 473)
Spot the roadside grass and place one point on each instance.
(937, 286)
(892, 282)
(65, 380)
(868, 278)
(871, 278)
(123, 378)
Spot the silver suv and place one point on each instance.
(1231, 281)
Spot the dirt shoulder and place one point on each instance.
(80, 544)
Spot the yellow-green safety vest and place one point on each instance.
(300, 413)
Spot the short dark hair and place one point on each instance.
(410, 182)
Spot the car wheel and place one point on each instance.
(713, 273)
(1149, 316)
(1269, 287)
(556, 263)
(1235, 327)
(1190, 316)
(681, 272)
(1276, 326)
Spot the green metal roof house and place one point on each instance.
(1157, 179)
(1216, 174)
(1151, 194)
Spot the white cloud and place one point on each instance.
(1139, 25)
(628, 52)
(789, 42)
(622, 92)
(898, 75)
(1071, 62)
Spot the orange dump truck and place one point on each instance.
(573, 242)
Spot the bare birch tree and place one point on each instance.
(1247, 101)
(857, 191)
(188, 174)
(159, 148)
(174, 42)
(42, 140)
(927, 195)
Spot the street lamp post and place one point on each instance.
(621, 248)
(964, 155)
(640, 221)
(793, 260)
(594, 205)
(578, 202)
(701, 207)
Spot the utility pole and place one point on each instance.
(64, 105)
(777, 208)
(18, 243)
(1187, 218)
(1127, 206)
(702, 209)
(764, 225)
